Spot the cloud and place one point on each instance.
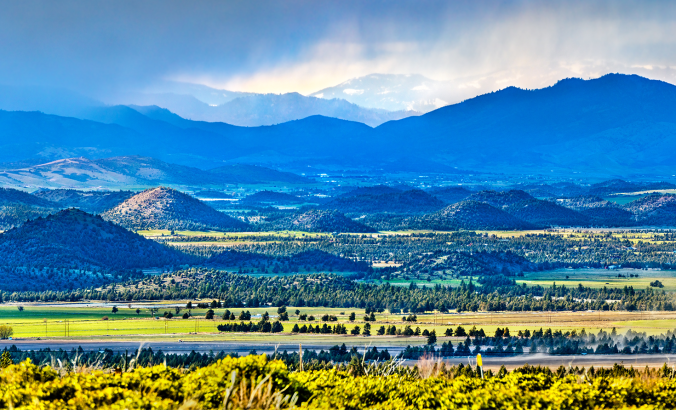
(101, 48)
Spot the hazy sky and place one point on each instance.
(101, 47)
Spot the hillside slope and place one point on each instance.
(254, 174)
(137, 171)
(608, 125)
(16, 207)
(599, 211)
(318, 221)
(471, 215)
(166, 208)
(523, 206)
(89, 201)
(73, 245)
(308, 261)
(265, 198)
(654, 210)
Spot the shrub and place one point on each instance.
(6, 331)
(258, 383)
(656, 284)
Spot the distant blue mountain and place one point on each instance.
(251, 110)
(614, 125)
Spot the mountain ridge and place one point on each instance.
(616, 125)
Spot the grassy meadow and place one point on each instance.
(71, 322)
(599, 278)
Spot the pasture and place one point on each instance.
(86, 323)
(599, 278)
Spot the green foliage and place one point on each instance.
(318, 221)
(6, 331)
(72, 249)
(5, 360)
(258, 383)
(656, 284)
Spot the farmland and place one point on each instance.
(87, 323)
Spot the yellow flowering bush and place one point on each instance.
(254, 382)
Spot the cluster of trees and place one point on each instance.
(556, 342)
(321, 290)
(264, 326)
(315, 220)
(48, 280)
(323, 329)
(108, 358)
(444, 255)
(15, 214)
(306, 261)
(147, 357)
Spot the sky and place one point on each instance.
(100, 48)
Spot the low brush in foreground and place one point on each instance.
(253, 382)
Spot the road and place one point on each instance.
(243, 349)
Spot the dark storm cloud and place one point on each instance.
(100, 47)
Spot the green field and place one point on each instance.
(598, 278)
(86, 323)
(234, 235)
(420, 282)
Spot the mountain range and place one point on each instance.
(202, 103)
(613, 125)
(392, 92)
(268, 109)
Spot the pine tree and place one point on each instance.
(432, 337)
(5, 360)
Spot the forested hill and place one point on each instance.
(655, 209)
(166, 208)
(14, 196)
(307, 261)
(253, 174)
(470, 215)
(16, 207)
(89, 201)
(370, 190)
(318, 221)
(599, 211)
(62, 250)
(523, 206)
